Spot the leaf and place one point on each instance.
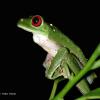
(96, 64)
(94, 94)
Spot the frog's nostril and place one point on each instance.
(22, 19)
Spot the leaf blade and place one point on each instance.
(94, 94)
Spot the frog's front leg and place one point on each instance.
(56, 66)
(47, 61)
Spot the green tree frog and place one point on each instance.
(64, 58)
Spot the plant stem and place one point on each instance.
(72, 82)
(54, 89)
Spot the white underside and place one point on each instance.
(47, 44)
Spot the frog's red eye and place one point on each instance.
(36, 20)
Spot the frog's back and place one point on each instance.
(64, 41)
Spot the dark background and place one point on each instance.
(21, 69)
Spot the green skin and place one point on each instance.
(63, 53)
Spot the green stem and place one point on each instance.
(72, 82)
(54, 89)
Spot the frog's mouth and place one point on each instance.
(25, 24)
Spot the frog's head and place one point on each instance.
(34, 24)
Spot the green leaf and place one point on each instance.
(96, 64)
(94, 94)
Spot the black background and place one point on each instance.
(21, 69)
